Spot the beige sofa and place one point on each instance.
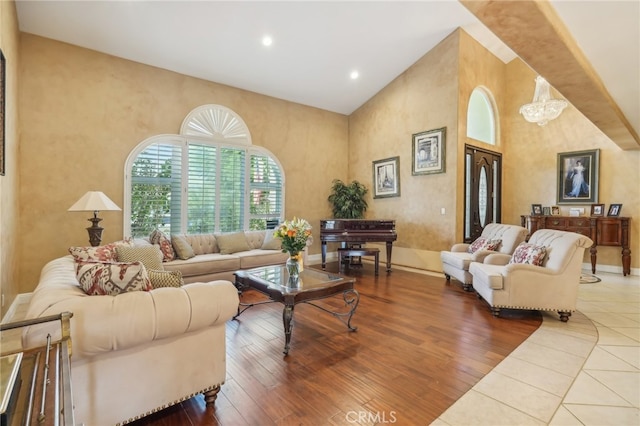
(137, 352)
(210, 264)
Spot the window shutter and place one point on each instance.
(266, 199)
(232, 189)
(156, 189)
(201, 189)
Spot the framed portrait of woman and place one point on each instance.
(578, 177)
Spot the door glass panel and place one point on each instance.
(482, 196)
(467, 201)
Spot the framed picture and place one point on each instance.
(429, 152)
(546, 211)
(555, 211)
(386, 178)
(614, 210)
(536, 209)
(597, 209)
(3, 92)
(578, 177)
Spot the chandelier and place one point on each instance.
(543, 109)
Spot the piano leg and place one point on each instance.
(324, 254)
(389, 246)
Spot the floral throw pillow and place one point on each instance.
(105, 253)
(482, 243)
(529, 253)
(159, 238)
(99, 278)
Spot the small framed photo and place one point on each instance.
(536, 209)
(555, 211)
(614, 210)
(546, 211)
(429, 152)
(597, 209)
(386, 178)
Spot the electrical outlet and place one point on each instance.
(2, 298)
(443, 211)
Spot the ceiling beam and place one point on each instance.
(535, 32)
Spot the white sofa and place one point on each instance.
(209, 264)
(551, 286)
(456, 262)
(137, 352)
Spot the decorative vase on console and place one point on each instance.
(295, 235)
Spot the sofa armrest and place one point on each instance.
(460, 247)
(110, 323)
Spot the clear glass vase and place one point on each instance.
(294, 265)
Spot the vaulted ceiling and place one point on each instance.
(588, 50)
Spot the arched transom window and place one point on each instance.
(481, 119)
(209, 178)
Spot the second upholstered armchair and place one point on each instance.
(495, 238)
(543, 274)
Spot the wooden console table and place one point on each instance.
(604, 231)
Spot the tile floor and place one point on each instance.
(583, 372)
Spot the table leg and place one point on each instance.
(287, 319)
(324, 254)
(389, 247)
(351, 298)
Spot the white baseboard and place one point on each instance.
(611, 269)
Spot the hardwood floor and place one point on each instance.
(421, 344)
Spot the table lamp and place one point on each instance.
(94, 201)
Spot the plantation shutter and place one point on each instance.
(266, 192)
(156, 189)
(201, 189)
(232, 188)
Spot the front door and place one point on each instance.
(483, 192)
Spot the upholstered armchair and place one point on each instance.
(542, 274)
(495, 238)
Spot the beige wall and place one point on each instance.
(83, 112)
(434, 93)
(422, 98)
(530, 168)
(9, 182)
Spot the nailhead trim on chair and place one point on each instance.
(155, 410)
(533, 309)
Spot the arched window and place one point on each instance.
(481, 119)
(209, 178)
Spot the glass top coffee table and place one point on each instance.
(274, 281)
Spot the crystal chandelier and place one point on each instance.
(543, 108)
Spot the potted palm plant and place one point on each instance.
(348, 199)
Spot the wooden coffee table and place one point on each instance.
(312, 284)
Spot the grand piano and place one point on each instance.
(357, 231)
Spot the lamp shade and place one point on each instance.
(93, 201)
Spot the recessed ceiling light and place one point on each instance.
(267, 40)
(354, 75)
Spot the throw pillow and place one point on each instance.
(529, 253)
(159, 238)
(165, 278)
(98, 278)
(271, 242)
(232, 243)
(150, 256)
(482, 243)
(182, 247)
(104, 253)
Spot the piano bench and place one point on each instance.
(359, 252)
